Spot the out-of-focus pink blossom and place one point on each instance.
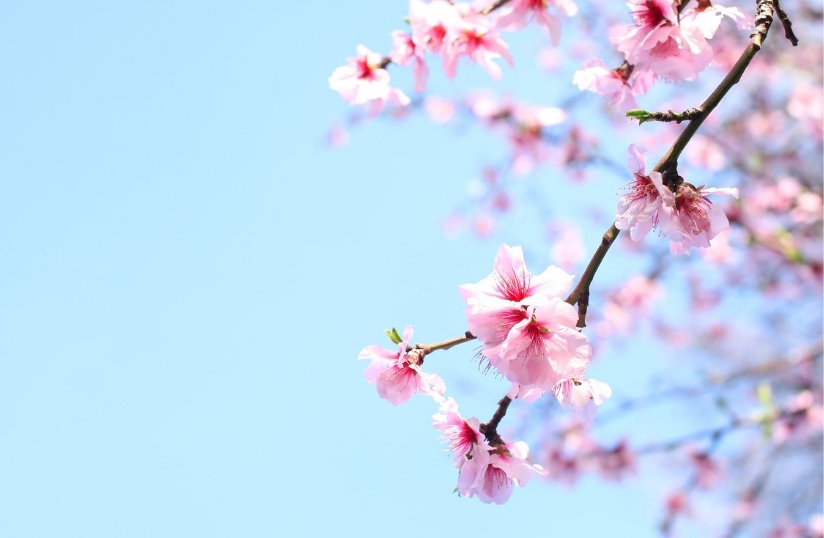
(658, 41)
(492, 476)
(677, 504)
(440, 110)
(479, 42)
(567, 243)
(430, 23)
(582, 391)
(615, 85)
(616, 463)
(639, 210)
(397, 374)
(363, 81)
(707, 471)
(583, 395)
(515, 14)
(404, 52)
(704, 152)
(706, 17)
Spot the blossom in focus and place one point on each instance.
(499, 302)
(397, 374)
(461, 434)
(639, 210)
(693, 219)
(545, 348)
(364, 81)
(493, 475)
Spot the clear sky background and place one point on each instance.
(189, 273)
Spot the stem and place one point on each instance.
(580, 294)
(446, 344)
(490, 429)
(785, 22)
(493, 7)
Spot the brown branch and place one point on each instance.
(763, 21)
(786, 23)
(490, 429)
(446, 344)
(580, 294)
(493, 7)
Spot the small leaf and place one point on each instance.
(393, 335)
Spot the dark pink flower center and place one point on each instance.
(648, 14)
(365, 70)
(513, 285)
(691, 208)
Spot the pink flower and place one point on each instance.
(492, 476)
(461, 434)
(515, 14)
(498, 302)
(614, 464)
(397, 374)
(658, 42)
(431, 22)
(693, 220)
(618, 86)
(545, 347)
(706, 17)
(640, 209)
(479, 42)
(581, 392)
(404, 51)
(364, 81)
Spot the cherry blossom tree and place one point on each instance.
(730, 279)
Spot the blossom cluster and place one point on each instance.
(529, 335)
(686, 217)
(485, 470)
(453, 30)
(663, 43)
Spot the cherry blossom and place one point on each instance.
(545, 347)
(517, 13)
(397, 374)
(461, 434)
(493, 475)
(639, 210)
(693, 219)
(581, 392)
(364, 81)
(405, 51)
(499, 302)
(616, 85)
(478, 41)
(658, 42)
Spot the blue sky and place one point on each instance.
(189, 274)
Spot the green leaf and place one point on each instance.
(393, 335)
